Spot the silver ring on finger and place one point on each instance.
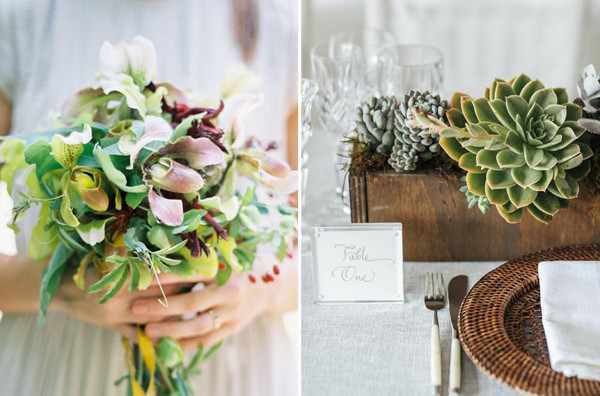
(217, 322)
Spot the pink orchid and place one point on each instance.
(168, 211)
(269, 171)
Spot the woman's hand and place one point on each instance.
(235, 304)
(114, 314)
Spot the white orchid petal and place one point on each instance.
(155, 129)
(142, 60)
(78, 137)
(236, 109)
(281, 185)
(113, 59)
(238, 78)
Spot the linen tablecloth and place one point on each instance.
(383, 349)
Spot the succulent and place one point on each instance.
(588, 88)
(520, 147)
(409, 144)
(375, 123)
(482, 202)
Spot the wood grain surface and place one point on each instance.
(438, 225)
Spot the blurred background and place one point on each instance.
(551, 40)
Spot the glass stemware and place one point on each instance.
(371, 42)
(404, 68)
(338, 72)
(309, 90)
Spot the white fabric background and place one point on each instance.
(482, 39)
(48, 50)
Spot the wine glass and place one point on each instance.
(337, 69)
(371, 42)
(404, 68)
(309, 90)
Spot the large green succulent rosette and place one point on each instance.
(520, 145)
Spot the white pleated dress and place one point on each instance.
(48, 50)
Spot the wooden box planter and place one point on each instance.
(438, 225)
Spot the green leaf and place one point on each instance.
(476, 183)
(538, 214)
(530, 88)
(43, 136)
(191, 221)
(12, 158)
(497, 197)
(484, 111)
(487, 159)
(510, 159)
(452, 147)
(134, 199)
(250, 217)
(581, 171)
(525, 176)
(468, 111)
(503, 90)
(107, 279)
(519, 83)
(281, 249)
(514, 142)
(521, 197)
(517, 106)
(115, 175)
(93, 232)
(501, 113)
(544, 97)
(533, 156)
(125, 85)
(172, 249)
(43, 236)
(544, 182)
(511, 217)
(500, 179)
(564, 187)
(286, 210)
(66, 212)
(547, 203)
(38, 154)
(51, 278)
(547, 163)
(468, 162)
(224, 275)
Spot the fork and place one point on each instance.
(435, 299)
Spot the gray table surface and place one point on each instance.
(383, 349)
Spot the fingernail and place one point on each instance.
(140, 308)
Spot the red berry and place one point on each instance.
(289, 255)
(269, 278)
(276, 269)
(252, 278)
(264, 278)
(222, 266)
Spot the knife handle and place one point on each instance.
(436, 359)
(455, 366)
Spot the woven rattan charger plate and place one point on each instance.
(500, 326)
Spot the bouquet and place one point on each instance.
(135, 182)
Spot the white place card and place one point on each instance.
(358, 263)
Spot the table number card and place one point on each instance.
(358, 263)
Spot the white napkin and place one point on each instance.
(570, 301)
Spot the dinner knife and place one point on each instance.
(457, 289)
